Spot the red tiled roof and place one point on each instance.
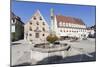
(67, 19)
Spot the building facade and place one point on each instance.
(64, 26)
(17, 28)
(36, 29)
(92, 31)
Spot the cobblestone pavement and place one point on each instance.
(83, 45)
(20, 51)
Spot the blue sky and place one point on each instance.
(25, 10)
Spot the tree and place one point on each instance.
(52, 38)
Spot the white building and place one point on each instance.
(64, 26)
(91, 31)
(36, 29)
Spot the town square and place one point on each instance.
(52, 33)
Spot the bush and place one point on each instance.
(52, 38)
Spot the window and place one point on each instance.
(81, 30)
(85, 30)
(30, 34)
(13, 20)
(63, 24)
(30, 29)
(34, 18)
(43, 29)
(37, 23)
(40, 18)
(43, 23)
(37, 35)
(30, 23)
(60, 23)
(13, 28)
(43, 35)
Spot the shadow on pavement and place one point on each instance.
(15, 43)
(71, 59)
(23, 64)
(60, 59)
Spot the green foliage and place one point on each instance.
(13, 36)
(52, 38)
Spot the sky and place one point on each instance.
(25, 10)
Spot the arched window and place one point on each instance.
(13, 21)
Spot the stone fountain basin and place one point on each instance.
(41, 53)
